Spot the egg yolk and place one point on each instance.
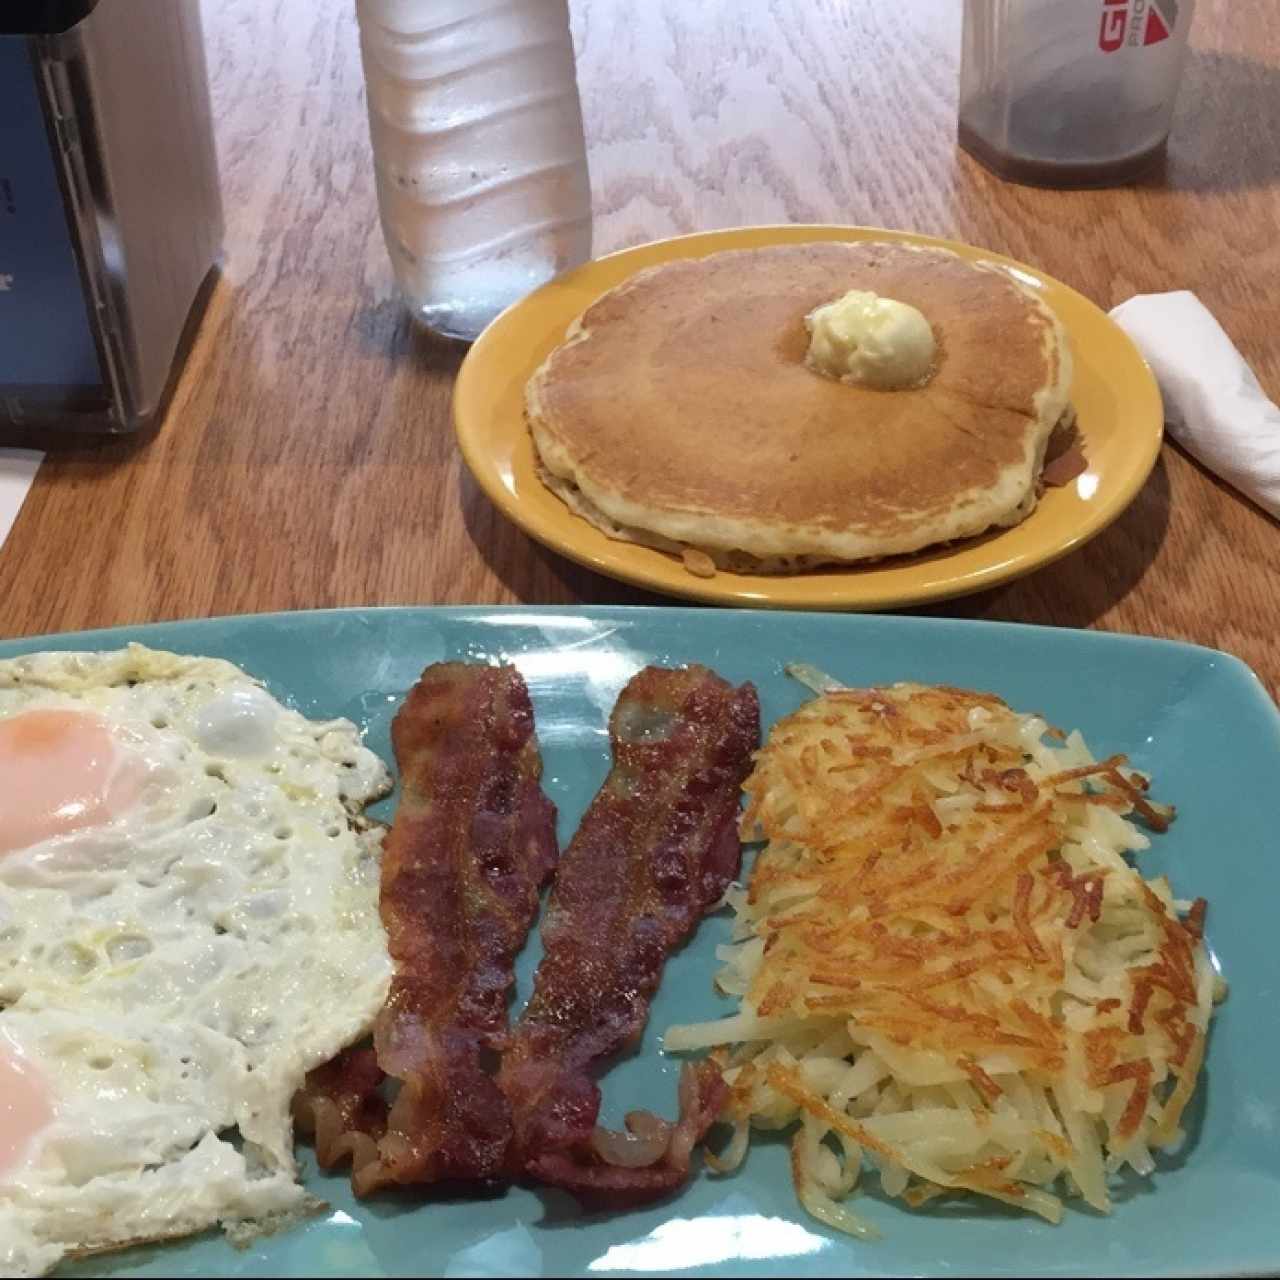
(61, 771)
(26, 1105)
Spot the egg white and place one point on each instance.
(175, 972)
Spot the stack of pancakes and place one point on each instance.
(679, 411)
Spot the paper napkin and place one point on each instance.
(1213, 404)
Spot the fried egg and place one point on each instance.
(188, 925)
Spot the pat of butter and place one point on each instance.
(870, 341)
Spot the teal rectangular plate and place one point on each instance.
(1199, 721)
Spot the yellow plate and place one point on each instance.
(1118, 403)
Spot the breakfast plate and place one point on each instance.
(1119, 413)
(1197, 720)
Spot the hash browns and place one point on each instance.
(946, 963)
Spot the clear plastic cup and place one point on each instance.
(1070, 93)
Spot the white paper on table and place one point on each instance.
(1214, 405)
(18, 469)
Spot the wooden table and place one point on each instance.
(308, 459)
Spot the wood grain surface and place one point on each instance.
(307, 458)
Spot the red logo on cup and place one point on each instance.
(1136, 22)
(1115, 23)
(1161, 20)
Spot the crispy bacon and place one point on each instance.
(341, 1108)
(472, 844)
(655, 851)
(599, 1177)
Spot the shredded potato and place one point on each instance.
(947, 967)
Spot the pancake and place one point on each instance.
(679, 411)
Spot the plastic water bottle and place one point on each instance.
(477, 141)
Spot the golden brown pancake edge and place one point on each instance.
(678, 411)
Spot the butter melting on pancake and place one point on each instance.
(680, 412)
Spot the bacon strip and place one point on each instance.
(341, 1109)
(472, 844)
(655, 851)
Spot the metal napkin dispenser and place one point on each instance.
(110, 219)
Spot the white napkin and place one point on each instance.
(1213, 404)
(18, 469)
